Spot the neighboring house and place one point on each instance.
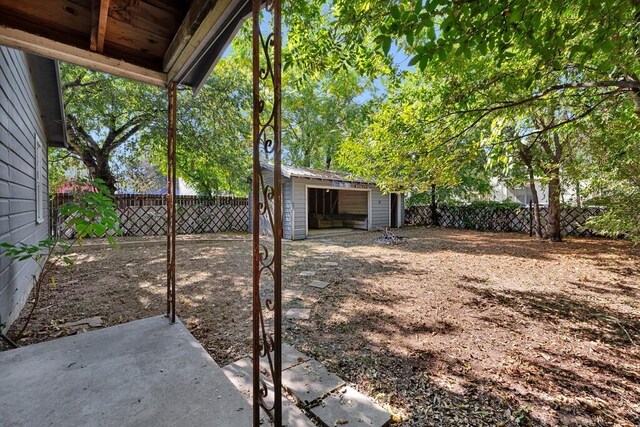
(182, 189)
(31, 119)
(320, 200)
(71, 187)
(502, 192)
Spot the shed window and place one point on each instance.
(39, 172)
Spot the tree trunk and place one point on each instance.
(527, 158)
(553, 214)
(327, 163)
(556, 155)
(536, 204)
(435, 221)
(98, 166)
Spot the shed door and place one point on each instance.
(394, 211)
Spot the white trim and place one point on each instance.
(39, 168)
(326, 187)
(370, 212)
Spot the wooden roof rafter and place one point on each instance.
(99, 15)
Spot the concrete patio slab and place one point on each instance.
(146, 372)
(318, 284)
(298, 313)
(310, 381)
(239, 372)
(351, 408)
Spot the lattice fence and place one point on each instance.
(146, 215)
(485, 218)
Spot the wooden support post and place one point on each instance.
(171, 201)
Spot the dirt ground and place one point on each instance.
(450, 327)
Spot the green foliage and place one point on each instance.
(92, 214)
(214, 130)
(400, 149)
(318, 115)
(105, 112)
(63, 166)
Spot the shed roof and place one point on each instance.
(310, 173)
(46, 81)
(153, 41)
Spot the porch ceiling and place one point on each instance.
(154, 41)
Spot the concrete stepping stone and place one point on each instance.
(351, 408)
(240, 374)
(331, 264)
(298, 313)
(290, 358)
(307, 273)
(290, 294)
(318, 284)
(310, 381)
(94, 322)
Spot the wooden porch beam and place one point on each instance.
(200, 20)
(43, 46)
(99, 15)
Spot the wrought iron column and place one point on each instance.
(172, 95)
(267, 202)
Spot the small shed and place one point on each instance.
(317, 202)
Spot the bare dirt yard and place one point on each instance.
(450, 327)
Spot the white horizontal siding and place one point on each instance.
(379, 209)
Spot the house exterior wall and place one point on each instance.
(21, 132)
(380, 205)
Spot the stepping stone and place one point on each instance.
(240, 374)
(310, 381)
(318, 284)
(351, 408)
(290, 357)
(290, 294)
(331, 264)
(298, 313)
(93, 322)
(307, 273)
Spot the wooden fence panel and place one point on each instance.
(146, 215)
(516, 219)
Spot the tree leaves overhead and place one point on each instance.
(103, 113)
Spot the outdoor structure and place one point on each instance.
(31, 118)
(163, 43)
(321, 201)
(501, 192)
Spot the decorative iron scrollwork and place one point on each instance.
(267, 204)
